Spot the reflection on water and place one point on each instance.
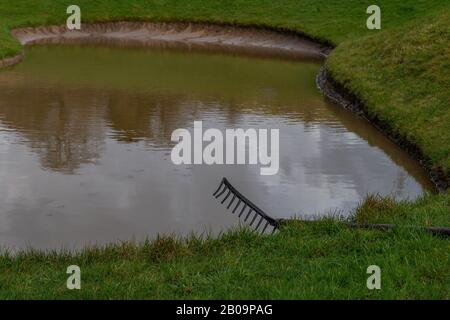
(85, 144)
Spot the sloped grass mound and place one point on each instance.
(403, 78)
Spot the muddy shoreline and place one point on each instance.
(191, 34)
(245, 39)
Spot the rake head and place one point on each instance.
(237, 203)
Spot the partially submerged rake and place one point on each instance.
(246, 207)
(251, 210)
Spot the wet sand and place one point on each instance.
(186, 33)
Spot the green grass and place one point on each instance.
(402, 74)
(403, 78)
(332, 21)
(316, 260)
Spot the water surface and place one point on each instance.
(85, 144)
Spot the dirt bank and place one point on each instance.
(188, 34)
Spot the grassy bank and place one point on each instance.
(402, 75)
(403, 78)
(316, 260)
(331, 21)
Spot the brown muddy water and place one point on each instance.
(85, 144)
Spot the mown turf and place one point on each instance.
(401, 73)
(333, 21)
(403, 78)
(324, 260)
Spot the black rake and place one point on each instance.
(247, 209)
(250, 210)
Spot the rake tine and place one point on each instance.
(221, 192)
(239, 202)
(242, 211)
(228, 194)
(231, 202)
(274, 229)
(219, 188)
(259, 223)
(253, 220)
(264, 229)
(249, 211)
(253, 211)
